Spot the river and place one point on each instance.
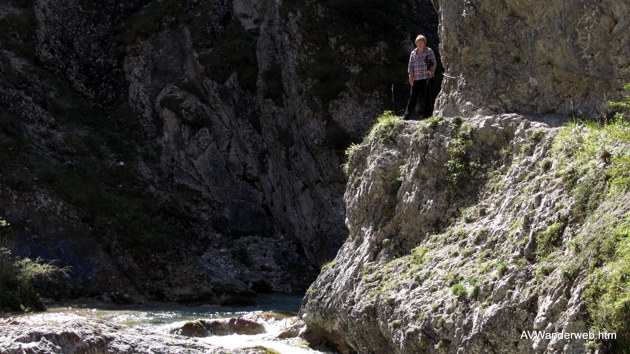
(275, 312)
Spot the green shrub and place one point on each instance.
(347, 167)
(459, 290)
(473, 281)
(18, 276)
(418, 254)
(546, 164)
(581, 146)
(435, 120)
(462, 163)
(547, 240)
(502, 268)
(328, 264)
(397, 182)
(607, 292)
(623, 105)
(569, 273)
(383, 130)
(452, 277)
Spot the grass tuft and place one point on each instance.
(347, 166)
(383, 130)
(459, 290)
(328, 264)
(417, 255)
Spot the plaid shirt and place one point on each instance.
(418, 63)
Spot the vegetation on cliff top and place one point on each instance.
(383, 131)
(594, 163)
(624, 106)
(608, 289)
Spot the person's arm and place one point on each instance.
(433, 62)
(410, 69)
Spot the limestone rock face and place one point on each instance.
(566, 57)
(449, 245)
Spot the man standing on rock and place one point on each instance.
(421, 68)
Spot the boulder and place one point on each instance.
(203, 328)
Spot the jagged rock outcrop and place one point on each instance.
(568, 57)
(464, 233)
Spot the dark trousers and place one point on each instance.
(418, 93)
(432, 91)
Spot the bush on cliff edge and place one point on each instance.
(594, 163)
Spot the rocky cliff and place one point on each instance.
(191, 150)
(466, 232)
(567, 57)
(199, 139)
